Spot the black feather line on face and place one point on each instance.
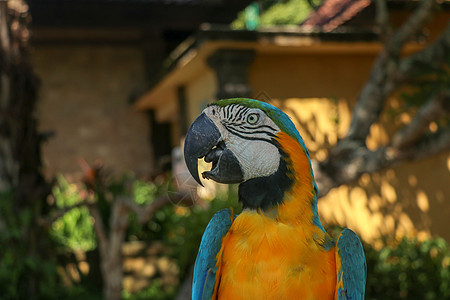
(236, 129)
(241, 112)
(267, 192)
(235, 117)
(260, 126)
(233, 131)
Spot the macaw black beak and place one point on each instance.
(203, 140)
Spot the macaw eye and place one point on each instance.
(253, 118)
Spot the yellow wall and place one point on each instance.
(318, 92)
(309, 75)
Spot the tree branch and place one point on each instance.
(412, 26)
(384, 78)
(433, 55)
(145, 212)
(432, 144)
(350, 157)
(382, 19)
(350, 166)
(99, 229)
(429, 112)
(47, 222)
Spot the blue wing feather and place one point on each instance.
(353, 270)
(205, 264)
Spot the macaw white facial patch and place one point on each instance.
(257, 158)
(249, 133)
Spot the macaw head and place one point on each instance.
(252, 143)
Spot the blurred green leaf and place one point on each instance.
(74, 229)
(277, 13)
(409, 269)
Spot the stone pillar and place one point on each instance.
(231, 68)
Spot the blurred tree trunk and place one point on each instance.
(110, 246)
(20, 156)
(185, 290)
(111, 221)
(350, 157)
(111, 239)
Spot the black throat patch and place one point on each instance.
(266, 192)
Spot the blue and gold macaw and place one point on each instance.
(276, 248)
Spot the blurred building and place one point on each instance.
(93, 59)
(314, 72)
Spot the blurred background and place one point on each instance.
(96, 97)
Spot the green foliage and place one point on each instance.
(156, 291)
(18, 265)
(273, 13)
(144, 193)
(409, 270)
(406, 269)
(74, 230)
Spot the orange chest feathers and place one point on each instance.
(265, 259)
